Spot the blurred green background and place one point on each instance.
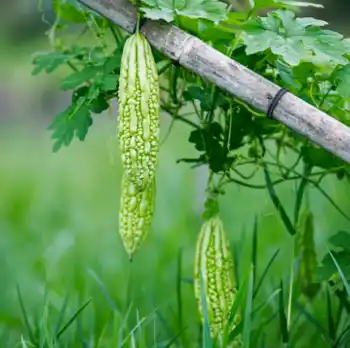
(59, 212)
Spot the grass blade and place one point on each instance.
(343, 337)
(267, 268)
(330, 200)
(104, 290)
(248, 311)
(72, 319)
(235, 332)
(331, 325)
(255, 248)
(123, 325)
(172, 340)
(138, 327)
(23, 343)
(242, 290)
(235, 306)
(277, 203)
(167, 328)
(178, 289)
(312, 320)
(282, 316)
(342, 296)
(260, 331)
(266, 303)
(237, 251)
(61, 314)
(25, 316)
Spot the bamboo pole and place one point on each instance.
(231, 76)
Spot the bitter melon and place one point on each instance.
(305, 251)
(135, 214)
(214, 271)
(138, 111)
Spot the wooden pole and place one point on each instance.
(231, 76)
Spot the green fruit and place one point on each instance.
(214, 274)
(305, 251)
(136, 214)
(138, 112)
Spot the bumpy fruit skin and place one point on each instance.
(305, 250)
(138, 116)
(135, 214)
(213, 262)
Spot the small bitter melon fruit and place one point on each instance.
(214, 271)
(305, 251)
(138, 111)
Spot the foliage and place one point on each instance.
(229, 136)
(167, 9)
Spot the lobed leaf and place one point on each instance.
(74, 121)
(294, 39)
(212, 10)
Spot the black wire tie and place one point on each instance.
(275, 101)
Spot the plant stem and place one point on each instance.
(115, 32)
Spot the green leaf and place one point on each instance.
(68, 12)
(341, 79)
(197, 137)
(341, 240)
(113, 63)
(50, 61)
(104, 73)
(77, 78)
(217, 157)
(208, 31)
(294, 39)
(203, 95)
(318, 157)
(99, 104)
(198, 93)
(341, 273)
(109, 82)
(212, 10)
(328, 268)
(95, 101)
(74, 121)
(210, 141)
(154, 13)
(295, 77)
(341, 253)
